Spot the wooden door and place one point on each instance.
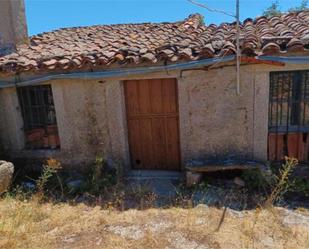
(152, 116)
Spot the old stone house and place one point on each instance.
(155, 96)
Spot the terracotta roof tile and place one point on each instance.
(190, 39)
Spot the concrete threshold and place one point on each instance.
(154, 174)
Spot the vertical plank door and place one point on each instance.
(152, 117)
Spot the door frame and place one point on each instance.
(125, 104)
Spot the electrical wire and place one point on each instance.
(238, 54)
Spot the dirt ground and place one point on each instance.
(27, 224)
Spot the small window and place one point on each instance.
(39, 115)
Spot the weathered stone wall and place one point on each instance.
(214, 120)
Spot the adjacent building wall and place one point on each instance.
(13, 28)
(214, 121)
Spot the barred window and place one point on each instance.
(39, 115)
(289, 115)
(289, 101)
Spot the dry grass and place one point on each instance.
(32, 225)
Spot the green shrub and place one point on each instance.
(99, 177)
(300, 186)
(255, 180)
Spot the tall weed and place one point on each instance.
(282, 182)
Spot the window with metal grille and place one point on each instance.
(39, 115)
(289, 115)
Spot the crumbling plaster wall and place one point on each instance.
(90, 120)
(213, 119)
(216, 122)
(89, 117)
(81, 118)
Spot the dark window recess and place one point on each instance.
(38, 111)
(289, 115)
